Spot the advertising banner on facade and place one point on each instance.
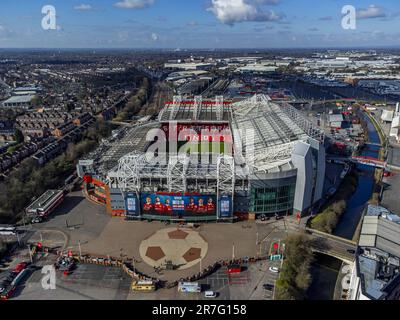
(225, 207)
(131, 204)
(175, 205)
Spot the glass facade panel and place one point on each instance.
(272, 200)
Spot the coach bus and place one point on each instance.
(143, 285)
(189, 287)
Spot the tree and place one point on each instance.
(3, 248)
(19, 137)
(295, 278)
(36, 101)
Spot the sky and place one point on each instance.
(211, 24)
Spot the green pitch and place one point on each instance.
(206, 147)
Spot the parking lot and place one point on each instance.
(87, 282)
(247, 285)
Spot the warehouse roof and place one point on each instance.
(335, 118)
(380, 233)
(20, 99)
(379, 261)
(387, 115)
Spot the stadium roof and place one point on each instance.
(267, 133)
(264, 134)
(132, 139)
(196, 110)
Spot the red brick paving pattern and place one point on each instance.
(192, 254)
(155, 253)
(177, 234)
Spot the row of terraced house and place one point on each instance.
(46, 148)
(40, 124)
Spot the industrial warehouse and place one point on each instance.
(256, 158)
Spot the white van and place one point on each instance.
(210, 294)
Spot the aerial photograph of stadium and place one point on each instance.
(221, 152)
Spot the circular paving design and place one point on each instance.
(183, 247)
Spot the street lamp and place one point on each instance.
(30, 253)
(201, 269)
(80, 250)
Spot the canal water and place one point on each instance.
(355, 205)
(325, 270)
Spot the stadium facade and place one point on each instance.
(210, 160)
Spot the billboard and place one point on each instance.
(225, 207)
(131, 204)
(178, 205)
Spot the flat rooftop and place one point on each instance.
(380, 233)
(20, 99)
(394, 157)
(379, 263)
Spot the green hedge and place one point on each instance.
(327, 220)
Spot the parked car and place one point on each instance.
(268, 287)
(234, 268)
(37, 220)
(19, 267)
(273, 269)
(210, 294)
(278, 217)
(263, 217)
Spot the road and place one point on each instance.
(331, 245)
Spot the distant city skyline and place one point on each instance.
(196, 24)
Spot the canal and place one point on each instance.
(325, 270)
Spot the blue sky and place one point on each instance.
(198, 24)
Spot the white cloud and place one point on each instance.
(83, 7)
(133, 4)
(192, 24)
(232, 11)
(4, 30)
(154, 36)
(372, 11)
